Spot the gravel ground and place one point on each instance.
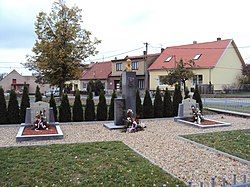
(159, 143)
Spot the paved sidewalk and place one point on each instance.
(160, 143)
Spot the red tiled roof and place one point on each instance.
(99, 70)
(210, 54)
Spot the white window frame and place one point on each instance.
(168, 58)
(135, 65)
(118, 66)
(197, 56)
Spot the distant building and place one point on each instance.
(16, 81)
(97, 71)
(217, 63)
(140, 64)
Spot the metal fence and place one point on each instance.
(234, 183)
(233, 104)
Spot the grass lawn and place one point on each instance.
(236, 143)
(89, 164)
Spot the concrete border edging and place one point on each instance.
(216, 151)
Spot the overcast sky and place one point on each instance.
(126, 25)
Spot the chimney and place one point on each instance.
(194, 42)
(144, 53)
(162, 49)
(218, 39)
(115, 58)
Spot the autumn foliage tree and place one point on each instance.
(61, 45)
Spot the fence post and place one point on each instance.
(244, 178)
(223, 181)
(234, 179)
(190, 183)
(213, 182)
(201, 184)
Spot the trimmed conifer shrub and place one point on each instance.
(148, 110)
(13, 109)
(112, 106)
(64, 109)
(102, 109)
(98, 87)
(91, 86)
(52, 104)
(167, 104)
(3, 108)
(90, 108)
(38, 94)
(77, 107)
(138, 105)
(25, 103)
(186, 92)
(177, 99)
(197, 97)
(158, 104)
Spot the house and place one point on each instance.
(217, 63)
(16, 81)
(139, 64)
(97, 71)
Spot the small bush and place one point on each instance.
(167, 104)
(25, 103)
(112, 106)
(64, 109)
(13, 109)
(197, 97)
(77, 108)
(158, 104)
(148, 110)
(52, 104)
(38, 94)
(177, 99)
(90, 108)
(102, 108)
(3, 108)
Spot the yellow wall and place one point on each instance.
(227, 70)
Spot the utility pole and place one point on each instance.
(146, 80)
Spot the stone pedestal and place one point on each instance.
(129, 87)
(119, 111)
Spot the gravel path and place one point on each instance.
(159, 143)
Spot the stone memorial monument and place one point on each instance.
(128, 100)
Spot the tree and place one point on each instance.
(3, 109)
(13, 109)
(25, 103)
(148, 110)
(2, 75)
(38, 94)
(77, 107)
(64, 109)
(90, 108)
(158, 104)
(177, 99)
(167, 104)
(138, 104)
(91, 86)
(180, 74)
(60, 46)
(102, 109)
(197, 97)
(112, 106)
(52, 104)
(98, 87)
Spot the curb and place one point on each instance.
(216, 151)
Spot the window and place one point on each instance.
(135, 65)
(168, 58)
(118, 66)
(13, 81)
(161, 80)
(196, 57)
(141, 83)
(197, 79)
